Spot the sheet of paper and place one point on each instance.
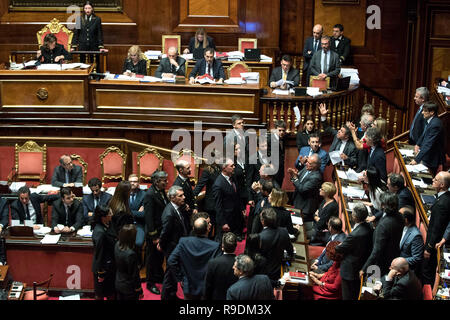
(297, 220)
(234, 80)
(72, 297)
(341, 174)
(50, 67)
(313, 91)
(42, 230)
(407, 152)
(151, 79)
(51, 239)
(188, 56)
(352, 175)
(15, 186)
(353, 192)
(15, 223)
(419, 183)
(204, 80)
(447, 256)
(46, 188)
(28, 223)
(416, 168)
(281, 92)
(335, 157)
(168, 80)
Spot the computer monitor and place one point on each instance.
(252, 54)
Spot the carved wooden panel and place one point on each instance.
(440, 65)
(440, 24)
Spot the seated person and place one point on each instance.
(340, 44)
(284, 73)
(91, 201)
(400, 283)
(325, 63)
(67, 173)
(28, 206)
(4, 214)
(51, 51)
(411, 243)
(375, 187)
(67, 211)
(314, 147)
(172, 66)
(444, 83)
(327, 209)
(328, 285)
(208, 66)
(198, 44)
(135, 63)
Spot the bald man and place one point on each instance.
(401, 283)
(67, 173)
(312, 44)
(171, 66)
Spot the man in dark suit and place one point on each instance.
(365, 123)
(439, 220)
(183, 180)
(228, 206)
(377, 157)
(249, 286)
(174, 226)
(155, 201)
(312, 45)
(325, 63)
(307, 183)
(208, 65)
(219, 274)
(341, 44)
(401, 283)
(415, 131)
(4, 221)
(190, 259)
(67, 211)
(284, 73)
(387, 235)
(355, 250)
(323, 263)
(411, 243)
(274, 241)
(172, 66)
(67, 173)
(91, 201)
(277, 136)
(137, 210)
(342, 141)
(430, 147)
(396, 184)
(28, 206)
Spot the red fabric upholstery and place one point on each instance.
(7, 155)
(28, 295)
(247, 45)
(62, 38)
(322, 84)
(237, 70)
(30, 163)
(168, 167)
(170, 42)
(112, 164)
(149, 163)
(427, 292)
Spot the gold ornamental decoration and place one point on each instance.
(42, 94)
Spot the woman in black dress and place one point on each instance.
(135, 63)
(103, 266)
(128, 282)
(278, 200)
(120, 206)
(328, 208)
(199, 43)
(51, 51)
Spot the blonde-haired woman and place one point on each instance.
(327, 209)
(199, 43)
(135, 63)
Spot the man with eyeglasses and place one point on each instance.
(172, 66)
(67, 173)
(284, 76)
(325, 63)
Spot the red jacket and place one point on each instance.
(331, 289)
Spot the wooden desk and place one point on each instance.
(44, 92)
(70, 261)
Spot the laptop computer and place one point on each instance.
(340, 84)
(252, 54)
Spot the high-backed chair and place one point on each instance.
(63, 35)
(247, 43)
(30, 163)
(113, 162)
(41, 294)
(148, 161)
(237, 68)
(314, 81)
(147, 64)
(171, 40)
(189, 156)
(78, 160)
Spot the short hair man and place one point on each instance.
(312, 45)
(67, 212)
(95, 198)
(208, 66)
(396, 184)
(66, 174)
(277, 135)
(422, 95)
(171, 66)
(284, 73)
(341, 44)
(249, 286)
(313, 148)
(190, 259)
(137, 210)
(183, 180)
(411, 243)
(325, 63)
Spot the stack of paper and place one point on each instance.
(234, 80)
(46, 188)
(353, 192)
(352, 175)
(72, 297)
(443, 90)
(168, 79)
(335, 157)
(67, 66)
(153, 54)
(42, 230)
(50, 66)
(250, 77)
(204, 80)
(281, 92)
(51, 239)
(150, 79)
(15, 186)
(235, 56)
(352, 73)
(188, 56)
(407, 152)
(416, 168)
(85, 232)
(265, 58)
(313, 91)
(419, 183)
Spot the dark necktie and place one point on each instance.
(67, 176)
(163, 197)
(209, 68)
(132, 198)
(67, 215)
(27, 212)
(418, 114)
(325, 63)
(315, 45)
(182, 221)
(233, 185)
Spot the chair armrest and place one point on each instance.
(12, 175)
(42, 177)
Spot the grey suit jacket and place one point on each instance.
(257, 287)
(166, 67)
(59, 178)
(334, 68)
(411, 247)
(306, 194)
(293, 75)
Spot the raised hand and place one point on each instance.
(323, 109)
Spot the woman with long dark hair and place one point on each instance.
(199, 43)
(120, 206)
(103, 266)
(375, 188)
(51, 51)
(303, 136)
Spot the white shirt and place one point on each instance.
(211, 72)
(336, 41)
(403, 234)
(227, 178)
(32, 212)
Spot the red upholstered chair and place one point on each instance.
(78, 160)
(247, 43)
(427, 292)
(30, 163)
(314, 81)
(171, 41)
(148, 161)
(63, 35)
(36, 294)
(237, 68)
(189, 156)
(113, 162)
